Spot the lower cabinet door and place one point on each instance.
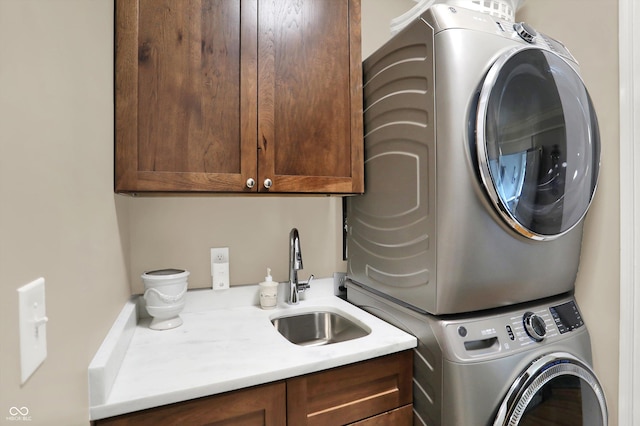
(257, 406)
(351, 393)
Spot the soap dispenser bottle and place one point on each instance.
(268, 292)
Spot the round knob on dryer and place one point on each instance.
(525, 31)
(534, 326)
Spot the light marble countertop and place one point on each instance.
(226, 342)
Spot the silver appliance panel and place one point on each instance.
(468, 366)
(426, 232)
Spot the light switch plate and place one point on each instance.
(33, 328)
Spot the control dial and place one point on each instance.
(534, 326)
(525, 31)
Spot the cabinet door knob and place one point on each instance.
(267, 183)
(251, 183)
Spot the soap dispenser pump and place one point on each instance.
(268, 292)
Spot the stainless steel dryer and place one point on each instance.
(482, 156)
(524, 365)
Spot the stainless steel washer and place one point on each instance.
(524, 365)
(481, 160)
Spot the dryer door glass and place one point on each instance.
(538, 143)
(557, 389)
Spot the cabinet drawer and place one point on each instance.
(402, 416)
(350, 393)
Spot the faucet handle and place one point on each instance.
(305, 284)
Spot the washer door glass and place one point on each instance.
(538, 143)
(558, 390)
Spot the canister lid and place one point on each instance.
(165, 272)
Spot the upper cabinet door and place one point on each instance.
(185, 95)
(238, 96)
(310, 96)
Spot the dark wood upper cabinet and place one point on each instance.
(212, 96)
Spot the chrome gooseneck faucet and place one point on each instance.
(295, 264)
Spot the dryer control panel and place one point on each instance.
(510, 330)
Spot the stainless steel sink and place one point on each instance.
(318, 328)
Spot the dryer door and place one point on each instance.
(538, 143)
(556, 389)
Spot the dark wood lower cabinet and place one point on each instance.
(376, 392)
(350, 393)
(402, 416)
(260, 405)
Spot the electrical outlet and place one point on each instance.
(220, 255)
(220, 268)
(339, 288)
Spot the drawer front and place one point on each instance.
(402, 416)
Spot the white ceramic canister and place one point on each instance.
(164, 295)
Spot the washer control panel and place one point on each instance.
(566, 316)
(480, 337)
(531, 326)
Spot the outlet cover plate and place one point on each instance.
(33, 327)
(339, 288)
(220, 268)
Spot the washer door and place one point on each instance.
(538, 143)
(556, 389)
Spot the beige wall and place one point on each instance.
(178, 232)
(591, 34)
(376, 16)
(58, 216)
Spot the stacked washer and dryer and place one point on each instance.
(482, 157)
